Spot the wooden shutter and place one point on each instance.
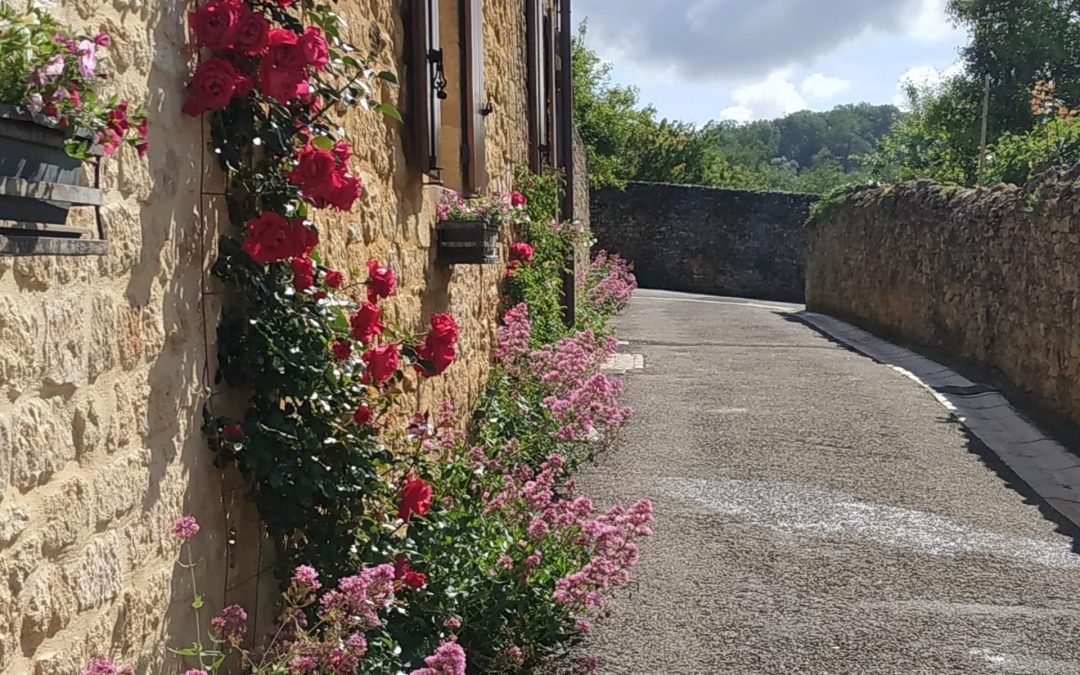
(426, 75)
(476, 177)
(550, 139)
(537, 79)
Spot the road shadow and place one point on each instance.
(967, 392)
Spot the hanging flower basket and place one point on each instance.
(468, 242)
(39, 180)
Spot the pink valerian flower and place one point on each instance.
(231, 623)
(357, 600)
(586, 664)
(512, 340)
(453, 623)
(303, 664)
(448, 659)
(185, 528)
(106, 667)
(608, 282)
(196, 671)
(583, 626)
(305, 579)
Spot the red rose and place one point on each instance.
(415, 498)
(322, 180)
(381, 281)
(440, 346)
(303, 270)
(519, 250)
(271, 237)
(342, 151)
(285, 51)
(342, 349)
(404, 573)
(280, 84)
(365, 322)
(215, 23)
(362, 415)
(214, 84)
(314, 46)
(252, 33)
(334, 279)
(517, 199)
(344, 191)
(512, 267)
(382, 362)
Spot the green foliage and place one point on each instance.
(937, 138)
(1016, 43)
(1017, 158)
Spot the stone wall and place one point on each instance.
(106, 362)
(988, 276)
(706, 240)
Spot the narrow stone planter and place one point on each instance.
(467, 242)
(39, 184)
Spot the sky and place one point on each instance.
(699, 60)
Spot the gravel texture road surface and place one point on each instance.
(817, 512)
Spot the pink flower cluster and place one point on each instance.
(608, 281)
(358, 599)
(610, 538)
(582, 400)
(448, 659)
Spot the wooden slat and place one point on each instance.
(550, 141)
(39, 229)
(17, 245)
(70, 194)
(476, 175)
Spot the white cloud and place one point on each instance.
(924, 77)
(775, 96)
(931, 23)
(823, 88)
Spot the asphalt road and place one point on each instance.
(817, 512)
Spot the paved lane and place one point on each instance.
(817, 513)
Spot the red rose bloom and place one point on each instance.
(365, 322)
(321, 176)
(252, 33)
(381, 282)
(440, 346)
(334, 279)
(271, 237)
(404, 573)
(314, 46)
(415, 498)
(342, 349)
(519, 250)
(279, 84)
(215, 23)
(382, 362)
(362, 415)
(344, 191)
(285, 51)
(303, 270)
(214, 84)
(517, 199)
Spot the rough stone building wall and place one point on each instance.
(987, 276)
(707, 240)
(106, 362)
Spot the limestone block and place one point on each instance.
(41, 444)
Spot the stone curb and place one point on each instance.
(1046, 466)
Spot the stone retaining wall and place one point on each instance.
(990, 277)
(707, 240)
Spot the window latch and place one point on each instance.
(435, 56)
